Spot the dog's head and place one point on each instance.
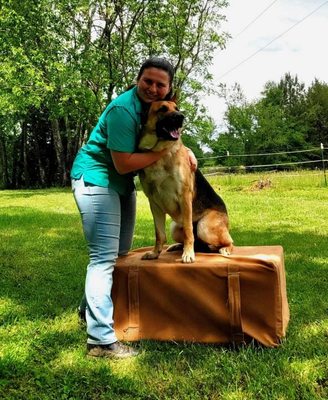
(164, 123)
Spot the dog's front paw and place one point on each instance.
(225, 251)
(188, 257)
(150, 255)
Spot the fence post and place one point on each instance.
(323, 163)
(228, 154)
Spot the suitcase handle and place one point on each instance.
(237, 335)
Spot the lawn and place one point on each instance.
(43, 258)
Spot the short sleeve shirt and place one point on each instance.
(117, 129)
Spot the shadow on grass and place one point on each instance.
(44, 259)
(59, 371)
(43, 263)
(29, 193)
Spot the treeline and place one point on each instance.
(288, 117)
(62, 61)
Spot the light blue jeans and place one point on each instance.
(108, 221)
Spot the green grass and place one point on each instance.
(43, 258)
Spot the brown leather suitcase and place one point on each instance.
(217, 299)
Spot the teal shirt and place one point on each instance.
(117, 129)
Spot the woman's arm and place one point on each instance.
(130, 162)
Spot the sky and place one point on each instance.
(300, 49)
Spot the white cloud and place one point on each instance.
(301, 50)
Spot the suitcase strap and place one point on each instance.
(237, 335)
(132, 332)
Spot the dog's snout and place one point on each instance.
(175, 118)
(179, 116)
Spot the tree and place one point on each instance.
(240, 123)
(276, 123)
(63, 60)
(287, 101)
(317, 113)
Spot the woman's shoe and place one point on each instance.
(113, 350)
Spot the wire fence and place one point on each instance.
(315, 166)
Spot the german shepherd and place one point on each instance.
(199, 215)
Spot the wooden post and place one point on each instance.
(323, 163)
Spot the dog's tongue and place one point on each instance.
(175, 133)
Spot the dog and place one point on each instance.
(199, 215)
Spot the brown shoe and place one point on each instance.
(113, 350)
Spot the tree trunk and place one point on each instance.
(42, 172)
(59, 150)
(24, 155)
(4, 163)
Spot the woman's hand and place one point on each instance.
(192, 160)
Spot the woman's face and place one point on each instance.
(153, 85)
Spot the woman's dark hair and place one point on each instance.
(160, 63)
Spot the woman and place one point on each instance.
(103, 187)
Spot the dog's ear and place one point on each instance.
(174, 98)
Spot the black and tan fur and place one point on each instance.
(199, 214)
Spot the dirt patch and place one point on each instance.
(261, 184)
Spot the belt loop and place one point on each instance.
(86, 188)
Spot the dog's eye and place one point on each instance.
(162, 109)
